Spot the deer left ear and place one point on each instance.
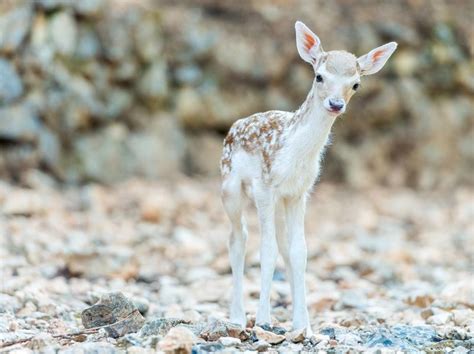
(374, 60)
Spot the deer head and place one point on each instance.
(338, 72)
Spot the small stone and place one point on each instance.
(420, 300)
(261, 345)
(90, 347)
(329, 331)
(154, 83)
(425, 313)
(440, 318)
(229, 341)
(24, 202)
(318, 338)
(273, 329)
(314, 340)
(18, 122)
(89, 7)
(217, 329)
(8, 304)
(349, 339)
(268, 336)
(462, 317)
(11, 86)
(178, 340)
(63, 32)
(160, 326)
(296, 336)
(14, 26)
(141, 304)
(88, 45)
(460, 350)
(208, 347)
(151, 209)
(148, 39)
(131, 324)
(333, 342)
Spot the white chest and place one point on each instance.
(298, 164)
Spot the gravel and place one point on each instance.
(387, 269)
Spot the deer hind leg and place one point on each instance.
(232, 198)
(265, 202)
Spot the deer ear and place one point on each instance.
(374, 60)
(308, 44)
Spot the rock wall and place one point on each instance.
(98, 90)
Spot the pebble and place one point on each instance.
(296, 336)
(11, 86)
(217, 329)
(440, 318)
(178, 340)
(229, 341)
(160, 326)
(261, 345)
(268, 336)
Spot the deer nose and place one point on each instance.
(336, 104)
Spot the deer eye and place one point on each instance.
(355, 87)
(319, 78)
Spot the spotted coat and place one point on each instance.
(259, 134)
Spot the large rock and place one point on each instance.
(11, 86)
(90, 8)
(88, 45)
(14, 25)
(204, 152)
(148, 38)
(115, 33)
(154, 83)
(114, 154)
(19, 123)
(117, 314)
(63, 32)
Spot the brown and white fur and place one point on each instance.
(274, 159)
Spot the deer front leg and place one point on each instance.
(295, 210)
(268, 252)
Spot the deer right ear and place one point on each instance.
(308, 44)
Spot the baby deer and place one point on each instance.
(274, 159)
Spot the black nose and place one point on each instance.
(336, 105)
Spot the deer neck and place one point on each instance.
(310, 126)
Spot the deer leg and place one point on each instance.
(295, 210)
(265, 203)
(232, 198)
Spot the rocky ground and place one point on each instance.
(388, 268)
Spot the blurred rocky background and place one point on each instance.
(94, 93)
(99, 90)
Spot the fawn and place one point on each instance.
(274, 159)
